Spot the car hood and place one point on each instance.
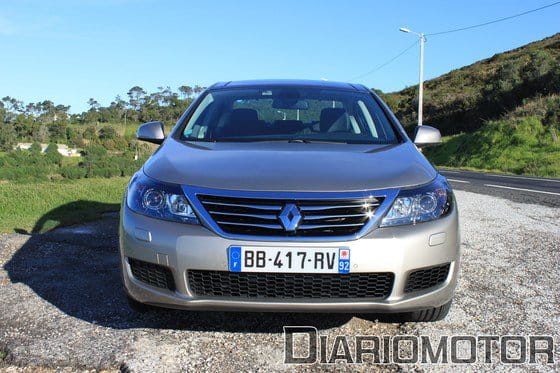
(283, 166)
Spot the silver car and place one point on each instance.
(290, 196)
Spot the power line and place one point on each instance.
(385, 63)
(494, 21)
(451, 31)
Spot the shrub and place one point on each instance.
(35, 148)
(73, 172)
(95, 151)
(120, 143)
(22, 158)
(107, 132)
(90, 133)
(52, 154)
(109, 144)
(25, 174)
(103, 172)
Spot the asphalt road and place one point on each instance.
(522, 189)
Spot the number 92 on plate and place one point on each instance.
(289, 260)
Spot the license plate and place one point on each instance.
(294, 260)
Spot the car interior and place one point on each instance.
(253, 118)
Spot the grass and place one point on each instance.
(40, 207)
(520, 146)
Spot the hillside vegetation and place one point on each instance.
(105, 136)
(501, 113)
(41, 190)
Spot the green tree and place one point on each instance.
(7, 137)
(93, 104)
(186, 91)
(57, 131)
(2, 112)
(136, 95)
(74, 137)
(23, 126)
(11, 108)
(41, 133)
(198, 89)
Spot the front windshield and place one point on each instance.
(289, 114)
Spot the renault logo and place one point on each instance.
(290, 217)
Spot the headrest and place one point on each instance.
(329, 116)
(244, 115)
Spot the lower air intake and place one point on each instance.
(426, 278)
(152, 274)
(290, 285)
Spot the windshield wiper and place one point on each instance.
(296, 140)
(311, 141)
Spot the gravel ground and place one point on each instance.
(509, 285)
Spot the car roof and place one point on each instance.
(265, 83)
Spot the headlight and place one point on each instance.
(426, 203)
(163, 201)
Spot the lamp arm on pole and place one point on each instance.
(422, 38)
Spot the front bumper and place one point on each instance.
(181, 247)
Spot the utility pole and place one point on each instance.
(421, 80)
(421, 75)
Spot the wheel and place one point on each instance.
(428, 315)
(138, 306)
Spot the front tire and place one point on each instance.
(428, 315)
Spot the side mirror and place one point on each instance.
(151, 132)
(427, 136)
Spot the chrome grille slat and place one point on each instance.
(253, 216)
(320, 226)
(259, 216)
(319, 208)
(319, 217)
(256, 207)
(269, 226)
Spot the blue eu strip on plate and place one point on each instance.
(235, 259)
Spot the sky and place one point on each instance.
(70, 50)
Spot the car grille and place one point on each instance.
(259, 217)
(152, 274)
(290, 285)
(426, 278)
